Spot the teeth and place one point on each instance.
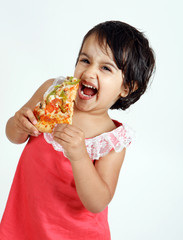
(88, 86)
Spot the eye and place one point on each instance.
(106, 68)
(84, 60)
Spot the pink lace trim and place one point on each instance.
(101, 145)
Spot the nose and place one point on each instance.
(90, 72)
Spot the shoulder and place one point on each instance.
(42, 89)
(117, 139)
(46, 84)
(114, 144)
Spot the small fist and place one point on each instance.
(72, 139)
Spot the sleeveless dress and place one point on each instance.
(43, 203)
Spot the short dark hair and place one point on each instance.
(132, 54)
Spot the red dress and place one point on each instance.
(43, 203)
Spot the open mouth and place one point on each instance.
(87, 90)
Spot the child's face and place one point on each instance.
(101, 80)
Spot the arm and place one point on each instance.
(95, 184)
(21, 125)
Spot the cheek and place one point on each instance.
(77, 72)
(110, 93)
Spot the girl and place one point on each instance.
(65, 180)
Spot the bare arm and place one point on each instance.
(95, 184)
(21, 125)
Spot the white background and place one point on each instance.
(40, 39)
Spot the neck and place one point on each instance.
(92, 124)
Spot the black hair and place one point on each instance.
(132, 54)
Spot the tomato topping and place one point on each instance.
(49, 108)
(53, 105)
(55, 101)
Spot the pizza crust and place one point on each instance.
(44, 128)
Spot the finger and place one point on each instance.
(26, 130)
(61, 136)
(69, 129)
(25, 114)
(63, 132)
(76, 133)
(27, 126)
(73, 128)
(63, 143)
(30, 115)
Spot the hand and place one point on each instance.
(72, 140)
(25, 120)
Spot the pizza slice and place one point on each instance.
(57, 106)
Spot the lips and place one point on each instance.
(87, 90)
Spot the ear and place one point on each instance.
(125, 90)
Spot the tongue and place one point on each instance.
(89, 91)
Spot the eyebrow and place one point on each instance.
(107, 63)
